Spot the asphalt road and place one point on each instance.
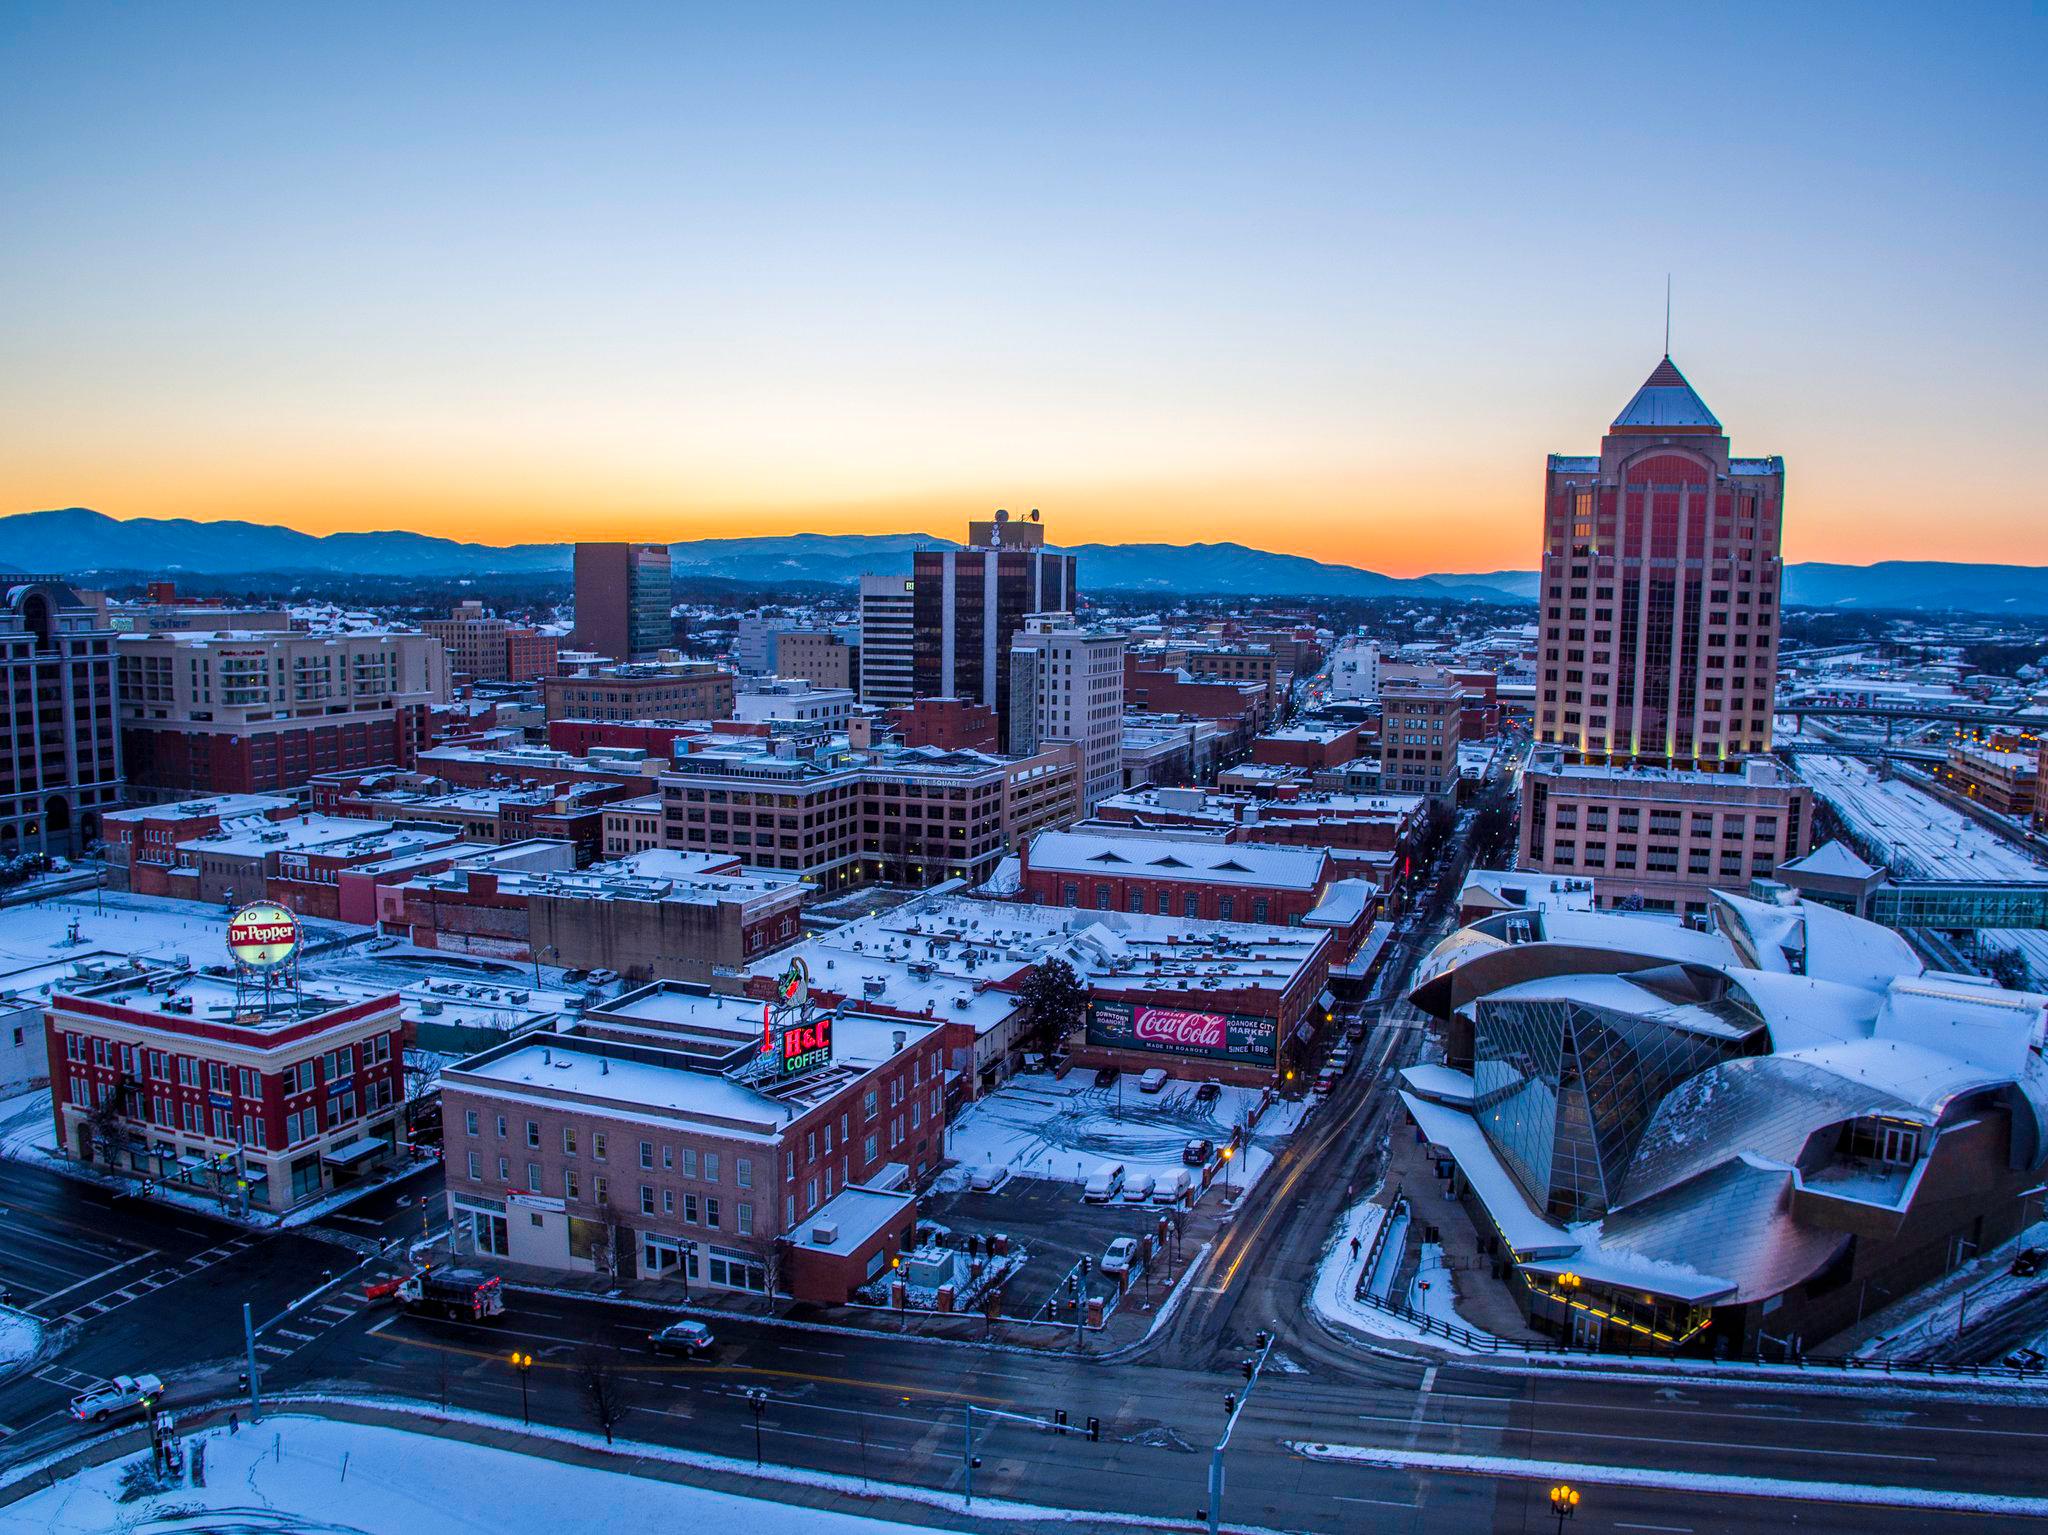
(141, 1287)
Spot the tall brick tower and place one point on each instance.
(1661, 571)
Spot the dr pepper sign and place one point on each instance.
(263, 935)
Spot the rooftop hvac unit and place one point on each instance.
(825, 1233)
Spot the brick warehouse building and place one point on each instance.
(638, 1143)
(657, 915)
(241, 713)
(175, 1076)
(60, 754)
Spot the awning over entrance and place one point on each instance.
(352, 1153)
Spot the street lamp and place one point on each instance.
(550, 949)
(523, 1363)
(758, 1400)
(1564, 1502)
(1228, 1152)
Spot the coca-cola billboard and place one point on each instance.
(1181, 1030)
(1184, 1032)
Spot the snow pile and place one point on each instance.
(20, 1336)
(312, 1475)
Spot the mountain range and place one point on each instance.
(75, 541)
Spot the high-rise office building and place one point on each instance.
(60, 754)
(622, 600)
(1660, 590)
(888, 606)
(1070, 682)
(969, 604)
(1658, 665)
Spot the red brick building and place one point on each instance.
(239, 713)
(656, 916)
(647, 1142)
(951, 724)
(1309, 747)
(179, 1077)
(145, 839)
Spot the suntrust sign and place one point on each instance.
(1184, 1032)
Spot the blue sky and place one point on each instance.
(1316, 278)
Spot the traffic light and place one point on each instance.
(1073, 1284)
(1260, 1339)
(1094, 1428)
(1059, 1420)
(1087, 1267)
(1250, 1368)
(1229, 1403)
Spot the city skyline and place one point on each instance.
(1327, 288)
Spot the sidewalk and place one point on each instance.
(1130, 1323)
(1483, 1302)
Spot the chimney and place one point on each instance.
(896, 1039)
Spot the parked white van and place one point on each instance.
(1173, 1188)
(1105, 1185)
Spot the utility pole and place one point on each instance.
(249, 1344)
(1233, 1405)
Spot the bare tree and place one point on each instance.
(604, 1394)
(769, 1251)
(109, 1135)
(421, 1079)
(604, 1247)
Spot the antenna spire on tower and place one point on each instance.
(1667, 314)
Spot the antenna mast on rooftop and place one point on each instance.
(1667, 314)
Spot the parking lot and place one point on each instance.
(1062, 1130)
(1049, 1221)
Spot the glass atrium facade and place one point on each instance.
(1565, 1089)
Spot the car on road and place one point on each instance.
(1106, 1076)
(384, 941)
(1197, 1151)
(1208, 1092)
(121, 1394)
(1326, 1082)
(2028, 1263)
(2026, 1359)
(601, 977)
(574, 977)
(1118, 1257)
(687, 1338)
(1154, 1080)
(1354, 1034)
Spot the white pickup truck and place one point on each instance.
(117, 1395)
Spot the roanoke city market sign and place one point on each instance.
(263, 935)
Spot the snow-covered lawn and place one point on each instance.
(20, 1336)
(1042, 1127)
(316, 1477)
